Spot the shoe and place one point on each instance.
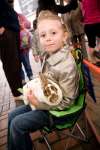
(18, 97)
(97, 54)
(31, 78)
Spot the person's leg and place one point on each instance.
(10, 59)
(21, 56)
(97, 52)
(98, 43)
(98, 36)
(90, 32)
(22, 74)
(11, 116)
(21, 123)
(27, 66)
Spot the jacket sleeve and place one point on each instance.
(73, 4)
(69, 83)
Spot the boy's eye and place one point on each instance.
(53, 32)
(42, 35)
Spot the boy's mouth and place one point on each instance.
(49, 45)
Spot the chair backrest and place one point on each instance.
(79, 104)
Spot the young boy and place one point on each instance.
(59, 66)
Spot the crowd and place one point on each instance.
(50, 42)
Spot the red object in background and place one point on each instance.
(24, 20)
(92, 67)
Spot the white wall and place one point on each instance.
(18, 9)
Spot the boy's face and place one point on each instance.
(51, 34)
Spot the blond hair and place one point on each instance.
(46, 14)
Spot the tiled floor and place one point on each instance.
(7, 103)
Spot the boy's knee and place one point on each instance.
(15, 124)
(10, 116)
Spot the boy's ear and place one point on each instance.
(65, 36)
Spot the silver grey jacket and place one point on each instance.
(62, 69)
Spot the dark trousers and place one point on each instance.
(24, 58)
(21, 122)
(92, 31)
(10, 60)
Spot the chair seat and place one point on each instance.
(73, 109)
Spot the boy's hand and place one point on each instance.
(32, 98)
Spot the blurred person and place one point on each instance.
(91, 20)
(73, 20)
(9, 46)
(52, 6)
(25, 45)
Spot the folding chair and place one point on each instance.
(73, 113)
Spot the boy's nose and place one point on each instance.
(48, 38)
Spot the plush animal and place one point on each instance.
(44, 89)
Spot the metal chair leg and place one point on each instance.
(45, 139)
(47, 143)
